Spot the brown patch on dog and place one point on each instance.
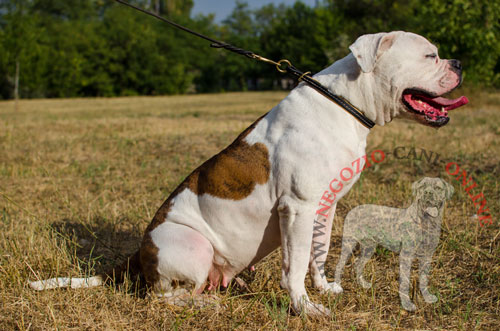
(231, 174)
(149, 260)
(234, 172)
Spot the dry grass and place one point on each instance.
(81, 179)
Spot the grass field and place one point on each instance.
(81, 179)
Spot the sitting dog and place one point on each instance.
(262, 191)
(413, 232)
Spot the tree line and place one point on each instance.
(58, 48)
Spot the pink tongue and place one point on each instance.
(449, 104)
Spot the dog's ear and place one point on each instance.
(416, 185)
(367, 48)
(449, 189)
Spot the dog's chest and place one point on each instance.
(306, 154)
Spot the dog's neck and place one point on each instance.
(345, 78)
(327, 117)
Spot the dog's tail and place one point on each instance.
(116, 275)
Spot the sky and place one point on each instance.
(222, 8)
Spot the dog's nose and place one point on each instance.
(456, 64)
(429, 195)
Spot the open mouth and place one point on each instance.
(432, 208)
(434, 109)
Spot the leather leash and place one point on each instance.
(283, 66)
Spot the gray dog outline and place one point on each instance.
(413, 232)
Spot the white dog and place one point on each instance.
(262, 191)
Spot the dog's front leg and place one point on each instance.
(296, 233)
(405, 260)
(322, 230)
(424, 269)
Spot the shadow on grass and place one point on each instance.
(99, 244)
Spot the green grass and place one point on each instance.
(80, 180)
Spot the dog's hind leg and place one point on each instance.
(367, 250)
(348, 245)
(183, 255)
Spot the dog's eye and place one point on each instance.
(431, 56)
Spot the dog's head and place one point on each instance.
(430, 195)
(409, 76)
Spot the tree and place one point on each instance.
(56, 48)
(467, 30)
(464, 29)
(172, 7)
(23, 58)
(295, 34)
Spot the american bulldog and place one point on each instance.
(262, 191)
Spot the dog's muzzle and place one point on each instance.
(431, 202)
(456, 67)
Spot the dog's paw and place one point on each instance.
(309, 308)
(335, 288)
(430, 298)
(315, 309)
(188, 300)
(408, 305)
(364, 283)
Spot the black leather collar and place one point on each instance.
(305, 77)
